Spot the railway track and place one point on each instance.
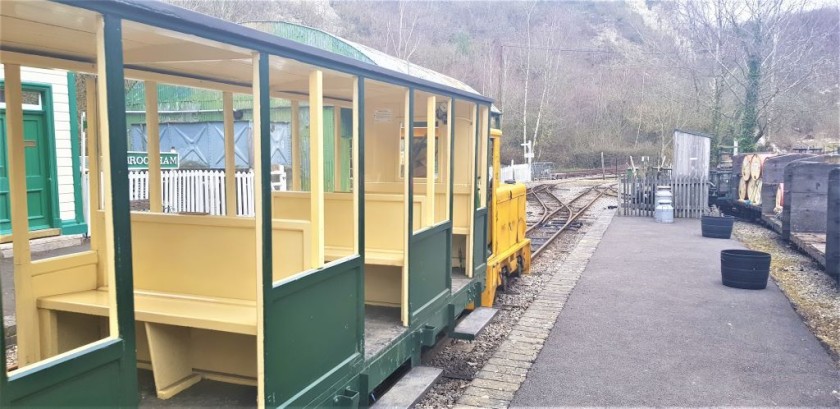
(559, 215)
(584, 174)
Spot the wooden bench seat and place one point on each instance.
(181, 310)
(378, 257)
(168, 320)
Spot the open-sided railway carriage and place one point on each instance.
(315, 299)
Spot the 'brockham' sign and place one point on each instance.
(140, 160)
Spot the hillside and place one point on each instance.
(579, 78)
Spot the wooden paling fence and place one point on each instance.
(519, 173)
(201, 191)
(638, 195)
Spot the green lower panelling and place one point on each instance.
(428, 284)
(471, 293)
(95, 377)
(479, 275)
(88, 389)
(343, 395)
(313, 335)
(381, 366)
(436, 321)
(480, 241)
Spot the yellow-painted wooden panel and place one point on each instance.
(210, 256)
(382, 285)
(97, 236)
(176, 253)
(338, 214)
(290, 248)
(230, 155)
(441, 206)
(431, 106)
(339, 220)
(59, 263)
(316, 165)
(464, 138)
(70, 280)
(290, 205)
(153, 147)
(397, 187)
(214, 314)
(461, 210)
(221, 352)
(384, 227)
(382, 140)
(76, 330)
(383, 231)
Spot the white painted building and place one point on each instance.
(52, 153)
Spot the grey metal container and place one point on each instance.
(664, 211)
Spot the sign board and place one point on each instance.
(140, 160)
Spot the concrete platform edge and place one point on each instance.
(499, 380)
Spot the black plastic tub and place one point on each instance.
(745, 269)
(717, 227)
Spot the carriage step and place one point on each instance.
(409, 389)
(474, 323)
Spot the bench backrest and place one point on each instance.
(384, 229)
(200, 255)
(338, 214)
(210, 256)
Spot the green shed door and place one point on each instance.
(37, 156)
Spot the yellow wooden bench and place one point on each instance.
(168, 319)
(385, 232)
(380, 257)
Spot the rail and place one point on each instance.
(559, 215)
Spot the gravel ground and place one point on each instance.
(813, 294)
(11, 357)
(461, 360)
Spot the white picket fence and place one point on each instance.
(519, 173)
(201, 191)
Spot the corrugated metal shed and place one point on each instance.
(310, 36)
(692, 153)
(329, 42)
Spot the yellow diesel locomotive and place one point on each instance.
(510, 250)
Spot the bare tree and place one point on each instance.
(401, 38)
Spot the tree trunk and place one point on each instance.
(749, 122)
